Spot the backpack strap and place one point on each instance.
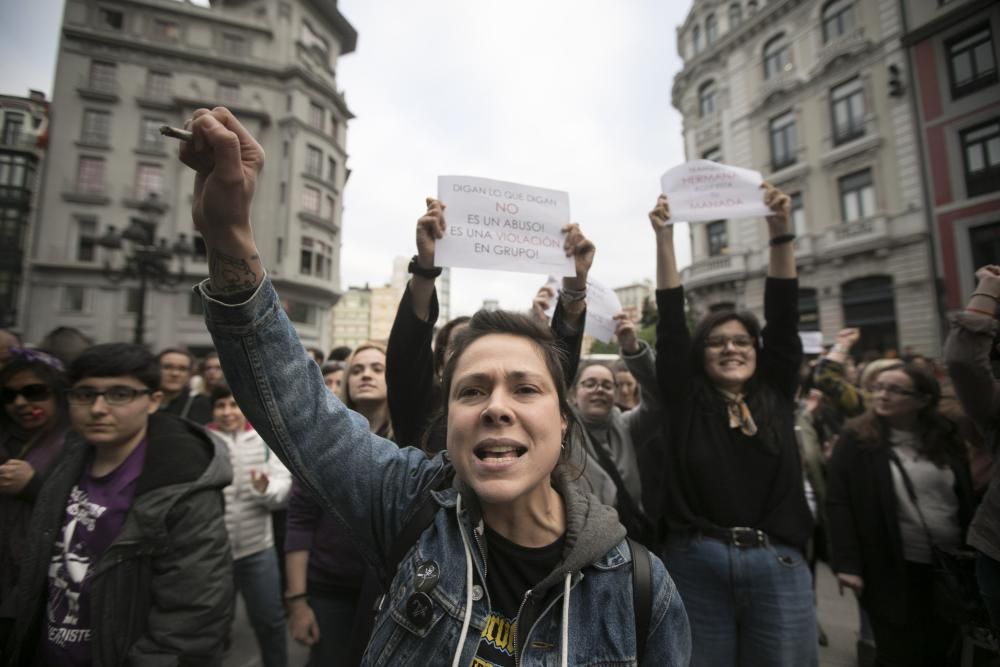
(642, 595)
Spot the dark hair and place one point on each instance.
(340, 353)
(441, 341)
(219, 392)
(488, 322)
(51, 376)
(938, 434)
(66, 343)
(333, 367)
(176, 350)
(114, 359)
(584, 365)
(761, 403)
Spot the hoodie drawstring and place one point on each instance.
(565, 621)
(468, 587)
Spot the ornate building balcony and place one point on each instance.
(717, 269)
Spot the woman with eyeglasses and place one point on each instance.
(614, 438)
(899, 485)
(731, 482)
(33, 427)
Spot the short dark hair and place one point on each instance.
(699, 339)
(117, 359)
(442, 339)
(219, 392)
(339, 353)
(332, 367)
(316, 354)
(176, 350)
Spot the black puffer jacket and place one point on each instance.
(162, 592)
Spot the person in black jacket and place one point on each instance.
(176, 367)
(413, 367)
(730, 484)
(129, 560)
(882, 534)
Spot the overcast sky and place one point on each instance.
(568, 95)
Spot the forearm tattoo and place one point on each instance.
(230, 274)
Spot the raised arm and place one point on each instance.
(830, 378)
(409, 357)
(363, 480)
(673, 340)
(642, 421)
(781, 355)
(571, 307)
(967, 351)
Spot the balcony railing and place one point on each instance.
(94, 192)
(715, 269)
(853, 235)
(98, 87)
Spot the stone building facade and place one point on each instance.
(816, 95)
(127, 66)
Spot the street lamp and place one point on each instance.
(142, 258)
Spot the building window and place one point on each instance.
(233, 45)
(103, 76)
(316, 116)
(718, 239)
(847, 106)
(314, 161)
(12, 225)
(158, 85)
(132, 300)
(306, 257)
(870, 305)
(706, 99)
(149, 133)
(16, 171)
(735, 15)
(96, 127)
(90, 175)
(971, 61)
(838, 18)
(310, 200)
(331, 170)
(86, 239)
(696, 39)
(300, 312)
(711, 30)
(808, 309)
(313, 40)
(331, 206)
(73, 298)
(985, 242)
(777, 58)
(981, 155)
(713, 154)
(228, 93)
(784, 140)
(164, 31)
(13, 123)
(752, 7)
(857, 196)
(110, 18)
(148, 180)
(798, 214)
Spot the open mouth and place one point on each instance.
(499, 450)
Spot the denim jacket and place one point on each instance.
(581, 614)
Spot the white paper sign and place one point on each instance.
(503, 226)
(602, 306)
(812, 342)
(703, 190)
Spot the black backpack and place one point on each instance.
(374, 587)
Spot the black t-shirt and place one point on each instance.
(511, 571)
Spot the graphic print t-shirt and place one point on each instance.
(95, 513)
(511, 571)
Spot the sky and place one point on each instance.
(569, 95)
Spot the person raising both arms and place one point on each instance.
(517, 565)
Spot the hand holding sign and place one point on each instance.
(430, 228)
(625, 330)
(779, 206)
(582, 250)
(659, 217)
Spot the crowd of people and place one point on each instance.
(483, 494)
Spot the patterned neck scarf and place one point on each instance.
(739, 413)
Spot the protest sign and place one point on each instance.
(503, 226)
(812, 342)
(602, 306)
(703, 190)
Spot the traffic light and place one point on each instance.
(895, 81)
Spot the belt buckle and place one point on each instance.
(745, 538)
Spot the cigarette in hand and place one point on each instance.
(175, 132)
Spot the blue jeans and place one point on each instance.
(335, 618)
(746, 606)
(258, 581)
